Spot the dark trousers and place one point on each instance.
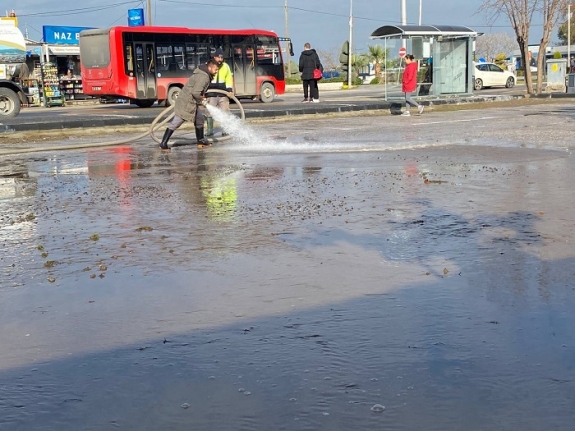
(198, 120)
(313, 90)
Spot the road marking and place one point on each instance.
(454, 121)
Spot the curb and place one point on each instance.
(309, 109)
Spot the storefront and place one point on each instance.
(55, 65)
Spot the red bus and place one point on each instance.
(149, 64)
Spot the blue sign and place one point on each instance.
(62, 35)
(135, 17)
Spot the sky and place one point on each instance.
(323, 23)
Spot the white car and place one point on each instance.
(490, 75)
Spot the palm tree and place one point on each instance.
(378, 55)
(359, 61)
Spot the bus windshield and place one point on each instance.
(95, 50)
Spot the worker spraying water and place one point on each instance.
(190, 104)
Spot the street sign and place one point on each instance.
(402, 52)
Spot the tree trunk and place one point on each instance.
(524, 48)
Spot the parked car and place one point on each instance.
(491, 75)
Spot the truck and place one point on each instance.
(12, 68)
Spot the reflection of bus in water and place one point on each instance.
(148, 64)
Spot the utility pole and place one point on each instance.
(420, 10)
(403, 18)
(350, 70)
(287, 37)
(149, 12)
(569, 37)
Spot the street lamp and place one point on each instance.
(349, 69)
(569, 36)
(420, 10)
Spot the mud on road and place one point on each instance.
(344, 273)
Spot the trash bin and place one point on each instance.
(571, 83)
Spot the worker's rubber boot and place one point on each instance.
(164, 144)
(210, 131)
(201, 141)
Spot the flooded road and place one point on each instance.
(337, 274)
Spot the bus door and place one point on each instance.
(244, 68)
(145, 70)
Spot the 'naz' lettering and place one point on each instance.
(65, 36)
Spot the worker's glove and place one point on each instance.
(204, 102)
(230, 92)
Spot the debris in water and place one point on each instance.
(145, 229)
(51, 279)
(378, 408)
(185, 406)
(445, 271)
(95, 237)
(428, 181)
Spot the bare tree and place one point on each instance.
(520, 14)
(491, 44)
(329, 57)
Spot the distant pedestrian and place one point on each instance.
(309, 62)
(572, 64)
(410, 84)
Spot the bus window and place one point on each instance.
(197, 54)
(268, 51)
(164, 56)
(170, 58)
(139, 60)
(192, 59)
(95, 50)
(129, 60)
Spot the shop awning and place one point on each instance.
(58, 50)
(64, 50)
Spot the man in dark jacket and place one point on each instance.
(308, 63)
(190, 103)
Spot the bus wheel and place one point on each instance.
(144, 103)
(173, 94)
(9, 103)
(268, 92)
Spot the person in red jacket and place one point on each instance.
(410, 84)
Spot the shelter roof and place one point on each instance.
(405, 31)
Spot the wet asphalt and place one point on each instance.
(337, 273)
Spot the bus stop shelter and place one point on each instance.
(448, 50)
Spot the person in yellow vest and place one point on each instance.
(223, 80)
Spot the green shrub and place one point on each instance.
(357, 81)
(557, 54)
(293, 81)
(374, 81)
(340, 78)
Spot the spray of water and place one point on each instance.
(246, 138)
(240, 131)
